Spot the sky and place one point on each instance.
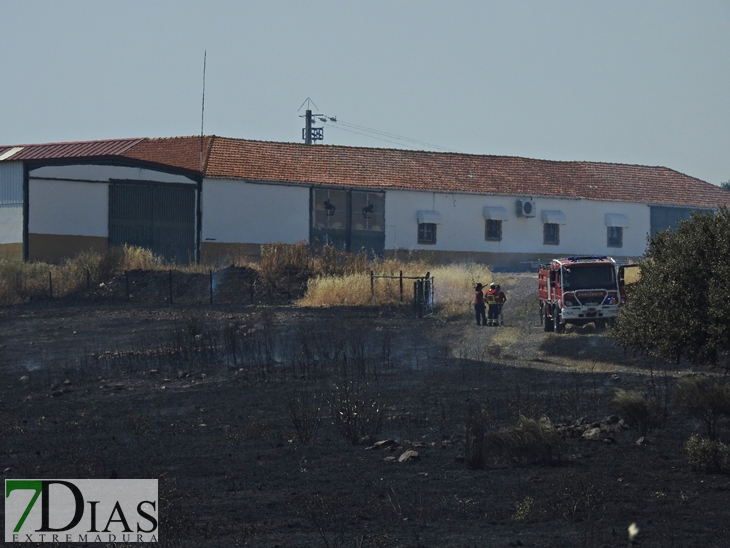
(634, 82)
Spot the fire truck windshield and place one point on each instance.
(595, 276)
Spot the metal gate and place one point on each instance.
(349, 220)
(157, 217)
(423, 295)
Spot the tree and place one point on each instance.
(705, 398)
(680, 308)
(725, 185)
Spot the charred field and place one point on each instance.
(276, 425)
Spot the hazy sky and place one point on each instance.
(638, 82)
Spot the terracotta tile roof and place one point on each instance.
(79, 149)
(374, 168)
(461, 173)
(179, 152)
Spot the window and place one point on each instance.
(615, 236)
(368, 211)
(426, 233)
(493, 230)
(551, 234)
(329, 209)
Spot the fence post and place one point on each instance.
(211, 286)
(427, 291)
(372, 283)
(171, 286)
(126, 281)
(401, 286)
(418, 296)
(88, 279)
(50, 283)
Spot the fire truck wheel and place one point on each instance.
(559, 325)
(547, 323)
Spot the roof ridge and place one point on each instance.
(440, 153)
(211, 141)
(56, 143)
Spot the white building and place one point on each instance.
(209, 199)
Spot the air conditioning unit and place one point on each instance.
(526, 208)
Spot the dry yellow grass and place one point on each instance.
(454, 287)
(21, 281)
(453, 284)
(336, 278)
(632, 274)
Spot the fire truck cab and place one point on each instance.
(578, 290)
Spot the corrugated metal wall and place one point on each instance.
(11, 183)
(666, 217)
(160, 218)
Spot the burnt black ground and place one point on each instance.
(92, 387)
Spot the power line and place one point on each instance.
(373, 137)
(390, 135)
(360, 130)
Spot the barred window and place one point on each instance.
(426, 233)
(493, 230)
(615, 236)
(551, 234)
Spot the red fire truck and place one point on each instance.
(578, 290)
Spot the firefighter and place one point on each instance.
(490, 298)
(479, 306)
(501, 299)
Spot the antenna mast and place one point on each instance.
(202, 114)
(311, 134)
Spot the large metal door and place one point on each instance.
(157, 217)
(349, 220)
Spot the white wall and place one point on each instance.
(239, 212)
(105, 173)
(68, 207)
(462, 227)
(11, 224)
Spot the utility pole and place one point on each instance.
(308, 127)
(311, 134)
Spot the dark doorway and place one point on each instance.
(154, 216)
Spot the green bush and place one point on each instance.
(707, 399)
(530, 441)
(639, 412)
(522, 509)
(706, 455)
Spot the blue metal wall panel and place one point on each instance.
(11, 183)
(662, 217)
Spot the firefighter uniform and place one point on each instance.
(501, 299)
(490, 298)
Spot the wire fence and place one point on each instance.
(423, 290)
(231, 285)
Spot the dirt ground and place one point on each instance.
(238, 410)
